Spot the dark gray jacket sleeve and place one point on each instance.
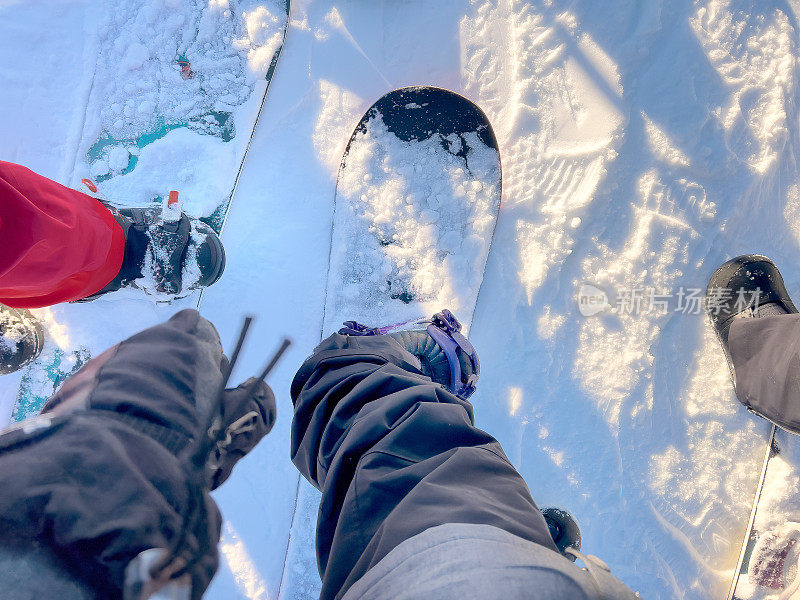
(394, 454)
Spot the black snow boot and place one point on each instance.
(165, 258)
(21, 339)
(748, 286)
(564, 530)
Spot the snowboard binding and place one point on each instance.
(446, 355)
(446, 331)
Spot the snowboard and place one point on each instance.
(416, 202)
(769, 564)
(219, 105)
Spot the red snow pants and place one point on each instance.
(56, 244)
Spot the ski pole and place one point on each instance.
(275, 358)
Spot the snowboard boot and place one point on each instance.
(745, 287)
(445, 355)
(161, 257)
(564, 530)
(21, 339)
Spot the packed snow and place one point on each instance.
(642, 144)
(14, 331)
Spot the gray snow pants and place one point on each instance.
(766, 362)
(416, 501)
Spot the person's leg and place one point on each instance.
(765, 353)
(759, 329)
(58, 244)
(395, 455)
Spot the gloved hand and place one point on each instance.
(248, 414)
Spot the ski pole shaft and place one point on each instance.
(248, 320)
(275, 358)
(205, 444)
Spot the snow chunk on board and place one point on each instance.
(412, 226)
(139, 81)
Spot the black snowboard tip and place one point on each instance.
(419, 112)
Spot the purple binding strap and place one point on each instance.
(446, 331)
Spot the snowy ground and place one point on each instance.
(642, 144)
